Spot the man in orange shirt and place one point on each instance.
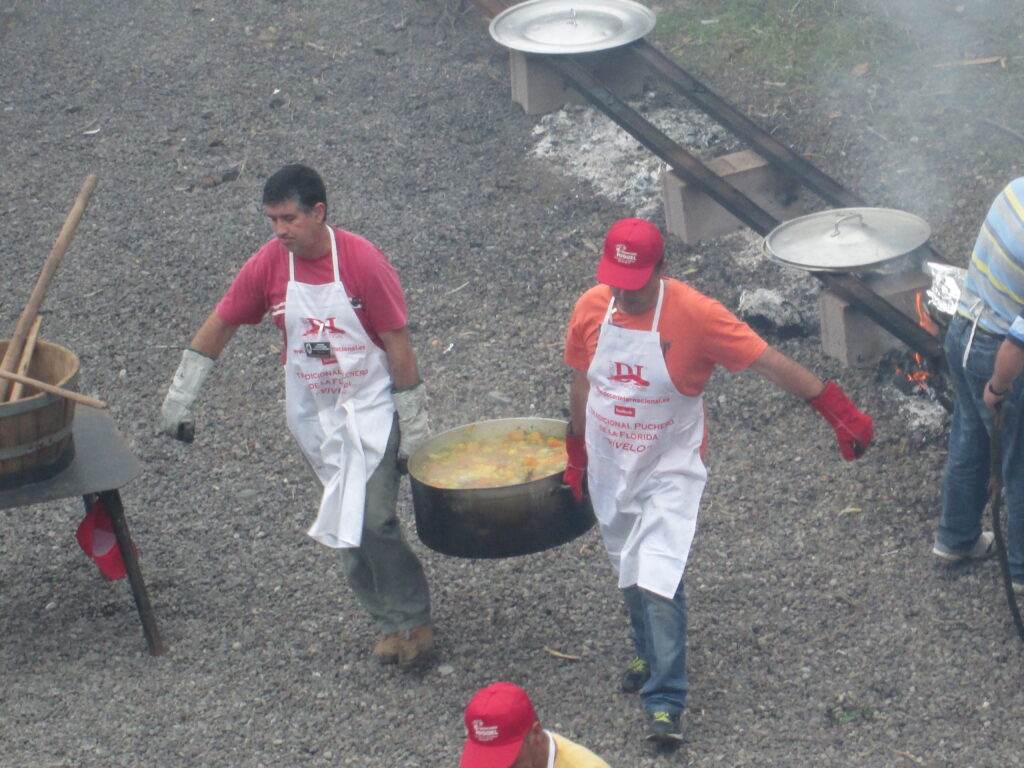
(642, 347)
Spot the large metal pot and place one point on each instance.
(496, 522)
(864, 241)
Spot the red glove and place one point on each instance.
(854, 429)
(576, 448)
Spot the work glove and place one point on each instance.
(175, 416)
(854, 429)
(413, 419)
(576, 466)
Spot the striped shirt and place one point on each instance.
(996, 272)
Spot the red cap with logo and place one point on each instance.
(632, 249)
(498, 719)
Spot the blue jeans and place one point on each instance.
(659, 636)
(965, 486)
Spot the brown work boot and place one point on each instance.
(416, 645)
(388, 648)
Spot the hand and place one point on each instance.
(854, 430)
(413, 420)
(175, 414)
(993, 396)
(576, 466)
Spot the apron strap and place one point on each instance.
(334, 254)
(334, 259)
(657, 308)
(975, 310)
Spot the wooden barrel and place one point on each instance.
(35, 429)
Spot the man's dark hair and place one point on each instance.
(295, 182)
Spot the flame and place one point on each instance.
(919, 375)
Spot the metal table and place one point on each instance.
(101, 465)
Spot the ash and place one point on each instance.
(585, 144)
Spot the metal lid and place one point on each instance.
(571, 26)
(846, 239)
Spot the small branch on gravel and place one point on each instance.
(907, 755)
(880, 135)
(560, 655)
(456, 290)
(1010, 131)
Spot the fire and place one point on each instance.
(919, 375)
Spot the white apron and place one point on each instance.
(644, 473)
(338, 395)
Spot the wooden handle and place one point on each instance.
(54, 389)
(28, 315)
(26, 358)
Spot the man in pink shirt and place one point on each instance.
(354, 399)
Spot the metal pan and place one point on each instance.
(847, 240)
(571, 26)
(496, 522)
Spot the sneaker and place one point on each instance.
(637, 673)
(663, 728)
(1018, 587)
(984, 547)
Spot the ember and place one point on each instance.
(910, 372)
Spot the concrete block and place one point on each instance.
(849, 336)
(539, 89)
(691, 215)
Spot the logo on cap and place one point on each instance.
(483, 732)
(624, 256)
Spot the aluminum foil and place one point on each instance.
(947, 284)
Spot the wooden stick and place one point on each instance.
(17, 342)
(26, 358)
(54, 389)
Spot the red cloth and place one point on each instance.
(96, 538)
(261, 283)
(576, 464)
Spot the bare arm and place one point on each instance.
(1009, 364)
(213, 336)
(398, 347)
(787, 374)
(579, 391)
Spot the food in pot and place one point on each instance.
(517, 456)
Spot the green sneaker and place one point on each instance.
(637, 673)
(663, 728)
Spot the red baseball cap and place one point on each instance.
(632, 248)
(498, 719)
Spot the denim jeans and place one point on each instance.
(383, 571)
(965, 485)
(659, 636)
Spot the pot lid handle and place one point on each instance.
(841, 219)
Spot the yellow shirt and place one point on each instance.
(570, 755)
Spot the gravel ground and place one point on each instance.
(821, 631)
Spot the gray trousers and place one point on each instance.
(383, 571)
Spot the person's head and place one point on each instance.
(502, 730)
(632, 263)
(297, 183)
(295, 201)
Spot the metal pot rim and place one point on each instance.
(846, 239)
(555, 428)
